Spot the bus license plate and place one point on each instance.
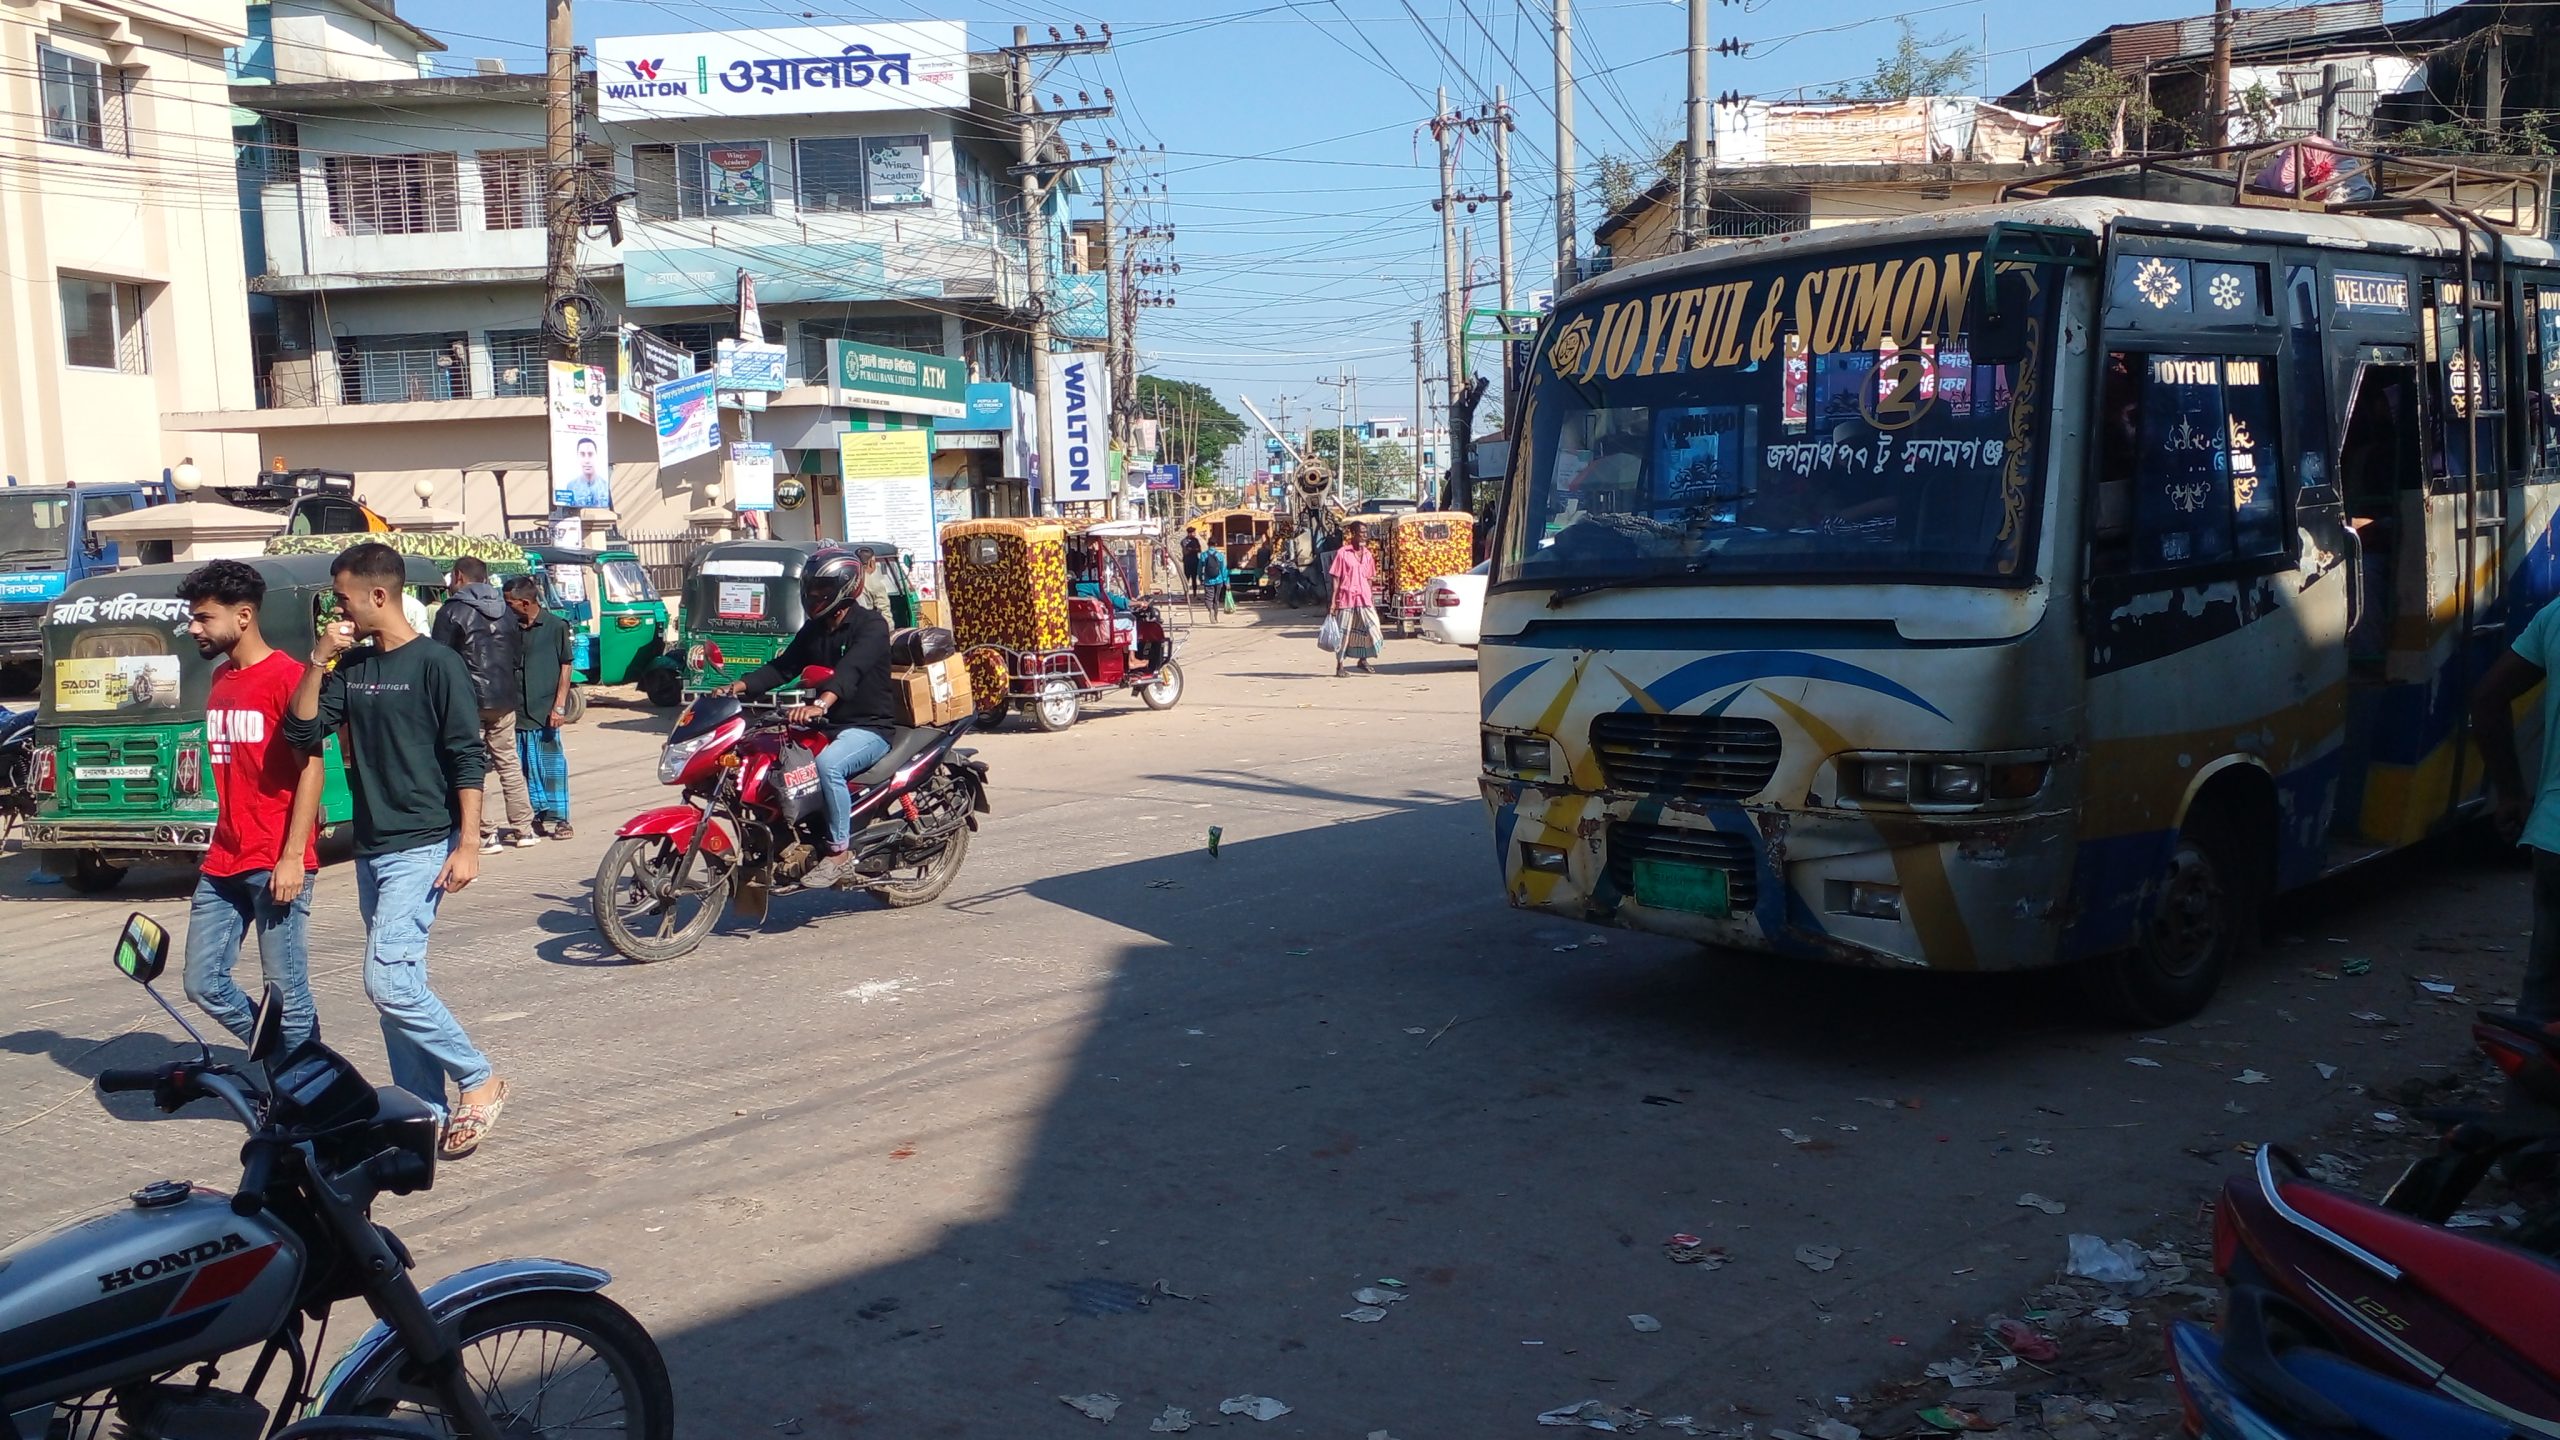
(1677, 885)
(112, 772)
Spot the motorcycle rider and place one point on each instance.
(858, 704)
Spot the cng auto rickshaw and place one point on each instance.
(741, 606)
(1245, 537)
(119, 753)
(1416, 547)
(1029, 640)
(617, 623)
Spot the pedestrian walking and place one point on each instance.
(257, 870)
(546, 668)
(415, 756)
(2530, 820)
(1355, 603)
(474, 623)
(1213, 579)
(1190, 559)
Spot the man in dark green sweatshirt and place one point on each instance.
(410, 727)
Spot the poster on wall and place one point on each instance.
(888, 493)
(581, 472)
(738, 178)
(893, 168)
(688, 418)
(646, 363)
(1080, 397)
(751, 474)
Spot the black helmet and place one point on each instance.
(829, 583)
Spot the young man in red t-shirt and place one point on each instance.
(257, 870)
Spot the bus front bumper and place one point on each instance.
(120, 837)
(1904, 890)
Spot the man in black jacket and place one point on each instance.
(474, 622)
(857, 703)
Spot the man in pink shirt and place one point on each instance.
(1355, 604)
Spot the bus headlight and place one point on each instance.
(1948, 780)
(1528, 755)
(1885, 779)
(1955, 782)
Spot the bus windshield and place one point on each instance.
(1823, 420)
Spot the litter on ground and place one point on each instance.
(1100, 1407)
(1259, 1407)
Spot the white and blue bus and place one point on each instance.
(2042, 583)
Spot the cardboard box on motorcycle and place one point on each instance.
(935, 694)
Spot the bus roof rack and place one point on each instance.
(2316, 175)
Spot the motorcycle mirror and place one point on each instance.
(814, 676)
(266, 1032)
(142, 951)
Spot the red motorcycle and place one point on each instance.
(753, 822)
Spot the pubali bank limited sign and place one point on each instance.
(824, 69)
(875, 377)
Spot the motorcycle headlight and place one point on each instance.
(677, 755)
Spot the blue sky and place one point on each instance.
(1295, 171)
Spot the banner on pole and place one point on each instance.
(751, 474)
(688, 418)
(581, 471)
(1080, 397)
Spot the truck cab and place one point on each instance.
(46, 544)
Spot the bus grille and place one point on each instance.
(20, 627)
(1715, 849)
(98, 791)
(1687, 757)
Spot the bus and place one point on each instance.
(2033, 584)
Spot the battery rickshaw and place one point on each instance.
(1416, 547)
(1046, 635)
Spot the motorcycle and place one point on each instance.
(752, 823)
(2447, 1310)
(18, 794)
(2241, 1385)
(103, 1316)
(2522, 1138)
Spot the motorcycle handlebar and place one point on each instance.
(257, 1168)
(118, 1082)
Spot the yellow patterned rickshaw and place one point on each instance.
(1414, 549)
(1032, 635)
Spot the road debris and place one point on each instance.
(1259, 1407)
(2039, 1147)
(1795, 1139)
(2033, 1201)
(1168, 1292)
(1372, 1295)
(1818, 1257)
(2327, 1071)
(1645, 1324)
(2023, 1340)
(2109, 1315)
(2145, 1061)
(1596, 1415)
(1097, 1297)
(1173, 1421)
(1954, 1419)
(1100, 1407)
(1687, 1249)
(2094, 1259)
(2357, 965)
(2250, 1077)
(1365, 1314)
(1216, 834)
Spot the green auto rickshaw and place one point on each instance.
(742, 600)
(617, 620)
(120, 739)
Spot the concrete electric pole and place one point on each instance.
(1421, 417)
(1693, 162)
(2222, 20)
(560, 216)
(1033, 127)
(1565, 220)
(1452, 299)
(1502, 185)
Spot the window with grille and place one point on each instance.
(708, 181)
(389, 369)
(393, 195)
(511, 189)
(830, 175)
(83, 100)
(519, 363)
(268, 150)
(102, 325)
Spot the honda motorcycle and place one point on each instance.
(753, 822)
(2446, 1310)
(122, 1324)
(2245, 1385)
(2520, 1138)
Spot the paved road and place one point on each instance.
(844, 1165)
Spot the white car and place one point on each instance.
(1453, 607)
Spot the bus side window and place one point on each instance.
(2193, 439)
(2542, 377)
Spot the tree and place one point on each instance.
(2102, 108)
(1920, 67)
(1370, 470)
(1197, 430)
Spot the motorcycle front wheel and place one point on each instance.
(646, 910)
(556, 1364)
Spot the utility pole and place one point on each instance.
(1032, 127)
(1693, 162)
(1451, 297)
(1421, 418)
(1565, 224)
(2493, 81)
(562, 312)
(1502, 186)
(2222, 71)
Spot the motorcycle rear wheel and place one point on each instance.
(529, 1355)
(934, 877)
(636, 884)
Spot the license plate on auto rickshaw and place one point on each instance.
(1684, 885)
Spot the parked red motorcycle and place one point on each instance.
(752, 823)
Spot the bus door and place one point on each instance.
(2393, 717)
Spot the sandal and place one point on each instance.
(470, 1125)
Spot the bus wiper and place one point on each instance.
(1563, 593)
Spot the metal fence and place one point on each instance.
(664, 557)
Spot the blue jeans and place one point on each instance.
(225, 909)
(847, 755)
(397, 896)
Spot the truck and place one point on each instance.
(45, 544)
